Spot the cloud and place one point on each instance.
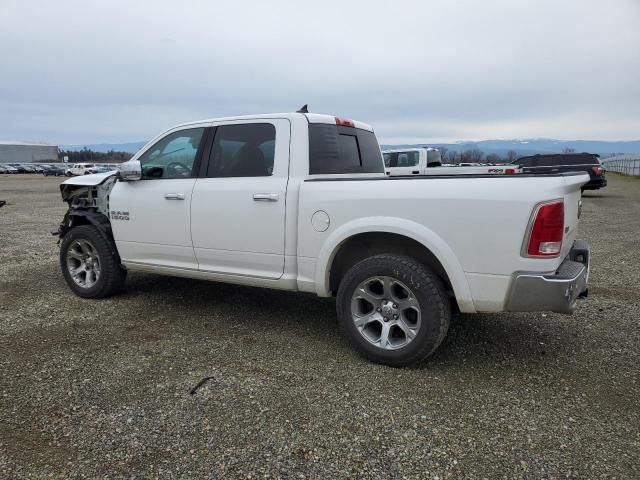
(82, 72)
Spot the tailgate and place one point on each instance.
(572, 203)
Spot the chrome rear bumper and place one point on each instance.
(556, 291)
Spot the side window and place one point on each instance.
(411, 159)
(172, 156)
(391, 159)
(245, 150)
(546, 161)
(434, 159)
(580, 159)
(337, 149)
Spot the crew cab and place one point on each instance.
(300, 201)
(566, 162)
(427, 161)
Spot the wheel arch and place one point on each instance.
(365, 237)
(76, 217)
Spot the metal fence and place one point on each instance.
(625, 164)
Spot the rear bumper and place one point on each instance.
(556, 291)
(595, 183)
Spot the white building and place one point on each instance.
(27, 152)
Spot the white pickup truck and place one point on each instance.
(427, 161)
(300, 201)
(79, 169)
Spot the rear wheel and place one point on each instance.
(90, 263)
(393, 309)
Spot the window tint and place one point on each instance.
(543, 161)
(349, 151)
(524, 162)
(173, 156)
(337, 149)
(402, 159)
(580, 159)
(243, 151)
(434, 159)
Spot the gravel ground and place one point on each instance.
(102, 388)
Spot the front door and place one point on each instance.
(238, 208)
(151, 217)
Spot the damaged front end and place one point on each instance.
(88, 200)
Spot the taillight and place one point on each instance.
(509, 171)
(547, 230)
(597, 170)
(343, 122)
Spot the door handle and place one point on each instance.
(174, 196)
(266, 197)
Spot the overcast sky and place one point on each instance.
(119, 71)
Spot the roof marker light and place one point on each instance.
(343, 122)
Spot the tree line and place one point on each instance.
(475, 155)
(89, 156)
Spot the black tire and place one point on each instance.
(112, 276)
(426, 287)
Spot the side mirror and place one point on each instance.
(130, 171)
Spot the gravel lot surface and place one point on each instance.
(102, 388)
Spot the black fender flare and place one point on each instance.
(75, 217)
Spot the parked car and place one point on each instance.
(22, 168)
(78, 169)
(301, 202)
(99, 169)
(427, 161)
(53, 170)
(8, 169)
(566, 162)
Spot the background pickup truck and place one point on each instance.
(427, 161)
(300, 201)
(79, 169)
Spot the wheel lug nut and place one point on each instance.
(395, 317)
(379, 309)
(395, 306)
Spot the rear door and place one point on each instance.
(238, 206)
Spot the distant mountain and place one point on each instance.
(525, 146)
(131, 147)
(530, 146)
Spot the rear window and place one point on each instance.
(401, 159)
(580, 160)
(337, 149)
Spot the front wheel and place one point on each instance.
(90, 263)
(393, 309)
